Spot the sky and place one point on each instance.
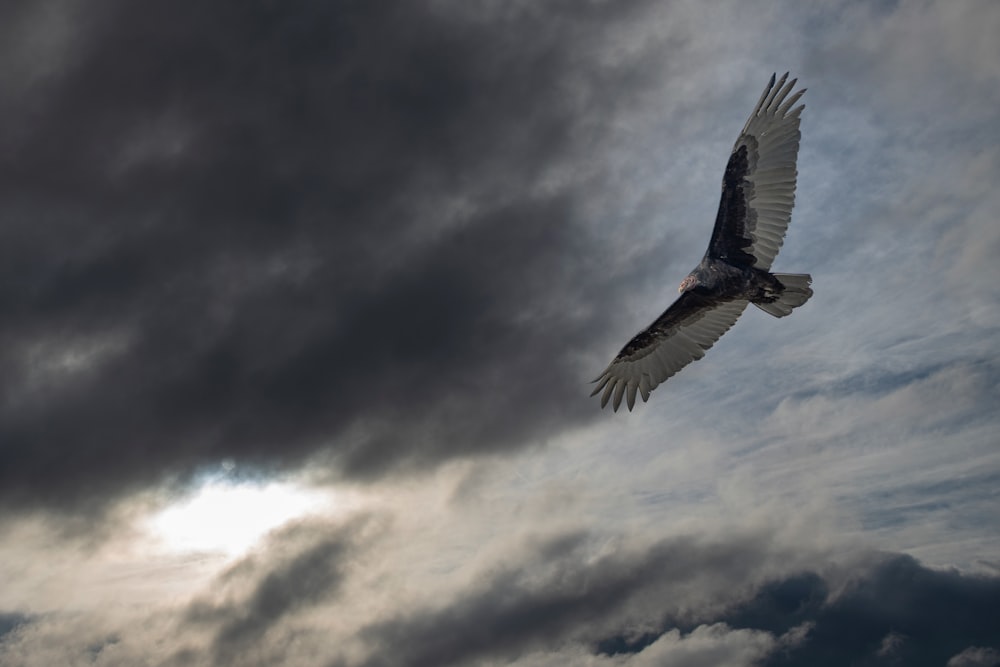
(300, 302)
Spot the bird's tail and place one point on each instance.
(795, 293)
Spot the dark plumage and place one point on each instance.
(758, 192)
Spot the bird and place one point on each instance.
(758, 192)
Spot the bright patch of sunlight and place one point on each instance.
(229, 518)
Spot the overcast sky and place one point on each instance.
(299, 304)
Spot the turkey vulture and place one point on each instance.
(758, 191)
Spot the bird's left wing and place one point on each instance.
(758, 189)
(680, 335)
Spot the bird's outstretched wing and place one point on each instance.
(680, 335)
(758, 189)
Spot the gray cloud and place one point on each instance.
(975, 656)
(683, 585)
(302, 566)
(10, 621)
(558, 594)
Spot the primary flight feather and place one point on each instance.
(758, 192)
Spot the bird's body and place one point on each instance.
(721, 280)
(727, 281)
(758, 192)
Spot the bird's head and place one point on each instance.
(688, 283)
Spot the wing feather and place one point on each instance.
(758, 189)
(679, 336)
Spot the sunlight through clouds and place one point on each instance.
(230, 518)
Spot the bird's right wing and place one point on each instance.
(680, 335)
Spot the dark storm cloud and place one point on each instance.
(928, 615)
(894, 612)
(252, 230)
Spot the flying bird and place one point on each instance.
(758, 192)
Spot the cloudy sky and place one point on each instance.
(299, 304)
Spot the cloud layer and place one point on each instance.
(379, 250)
(688, 600)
